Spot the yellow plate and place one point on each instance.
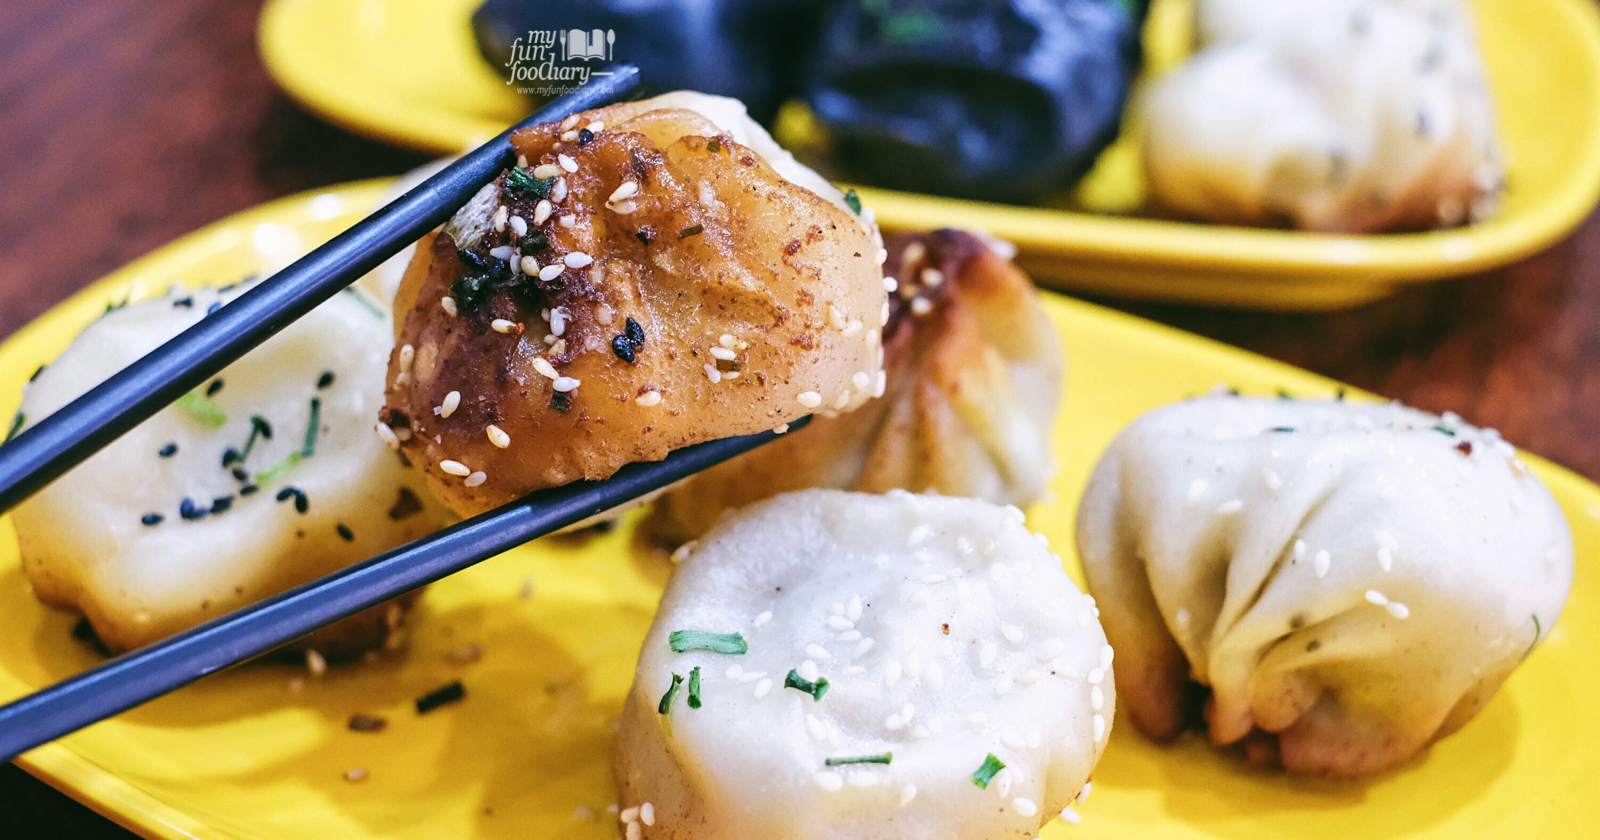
(408, 71)
(241, 755)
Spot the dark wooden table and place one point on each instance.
(124, 125)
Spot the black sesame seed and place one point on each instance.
(344, 532)
(561, 401)
(325, 379)
(240, 474)
(440, 696)
(585, 137)
(187, 510)
(248, 490)
(169, 450)
(260, 424)
(214, 387)
(534, 242)
(634, 332)
(221, 504)
(152, 519)
(183, 303)
(229, 457)
(286, 493)
(301, 503)
(644, 237)
(623, 348)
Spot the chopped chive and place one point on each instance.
(665, 706)
(1537, 632)
(259, 428)
(1445, 430)
(204, 410)
(16, 426)
(692, 230)
(365, 301)
(683, 641)
(520, 180)
(1283, 429)
(885, 758)
(815, 689)
(293, 460)
(36, 372)
(309, 448)
(853, 201)
(986, 772)
(694, 688)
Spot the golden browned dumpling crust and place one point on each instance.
(640, 284)
(973, 374)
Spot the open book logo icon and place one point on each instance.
(596, 44)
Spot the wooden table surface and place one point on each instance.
(124, 125)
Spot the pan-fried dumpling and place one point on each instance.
(828, 665)
(265, 478)
(1330, 115)
(973, 372)
(657, 274)
(1353, 581)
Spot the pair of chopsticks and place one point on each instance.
(47, 450)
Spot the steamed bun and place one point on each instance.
(972, 377)
(201, 510)
(1353, 581)
(1332, 115)
(891, 652)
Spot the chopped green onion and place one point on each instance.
(365, 301)
(694, 688)
(1445, 430)
(1537, 631)
(279, 468)
(309, 448)
(1283, 429)
(665, 706)
(986, 772)
(16, 426)
(815, 689)
(683, 641)
(885, 758)
(521, 180)
(203, 409)
(853, 201)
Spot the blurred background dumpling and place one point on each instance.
(1347, 116)
(1000, 100)
(973, 374)
(266, 477)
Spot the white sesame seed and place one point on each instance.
(519, 226)
(883, 314)
(497, 436)
(843, 400)
(908, 793)
(835, 317)
(408, 354)
(882, 256)
(1197, 489)
(810, 399)
(816, 651)
(629, 815)
(864, 647)
(881, 385)
(781, 428)
(1397, 609)
(568, 220)
(476, 479)
(1068, 814)
(861, 379)
(1083, 795)
(568, 137)
(1099, 727)
(448, 304)
(1376, 597)
(1299, 550)
(1230, 507)
(388, 436)
(1014, 633)
(647, 813)
(558, 193)
(455, 468)
(1106, 655)
(501, 325)
(578, 259)
(733, 672)
(1097, 697)
(596, 126)
(751, 676)
(565, 384)
(724, 354)
(522, 161)
(452, 401)
(713, 374)
(628, 189)
(839, 624)
(542, 211)
(648, 398)
(500, 219)
(808, 670)
(1025, 807)
(545, 369)
(570, 122)
(892, 671)
(829, 780)
(986, 655)
(921, 306)
(762, 688)
(551, 272)
(1321, 562)
(890, 284)
(546, 171)
(761, 618)
(567, 163)
(1096, 676)
(932, 277)
(894, 723)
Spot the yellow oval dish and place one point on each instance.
(243, 754)
(408, 71)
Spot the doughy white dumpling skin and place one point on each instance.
(1355, 579)
(946, 632)
(84, 541)
(1331, 115)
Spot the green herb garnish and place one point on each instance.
(694, 688)
(1445, 430)
(375, 309)
(665, 706)
(815, 689)
(683, 641)
(16, 426)
(860, 759)
(203, 409)
(986, 772)
(309, 448)
(279, 468)
(1537, 631)
(520, 180)
(853, 201)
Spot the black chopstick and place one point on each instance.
(42, 453)
(154, 670)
